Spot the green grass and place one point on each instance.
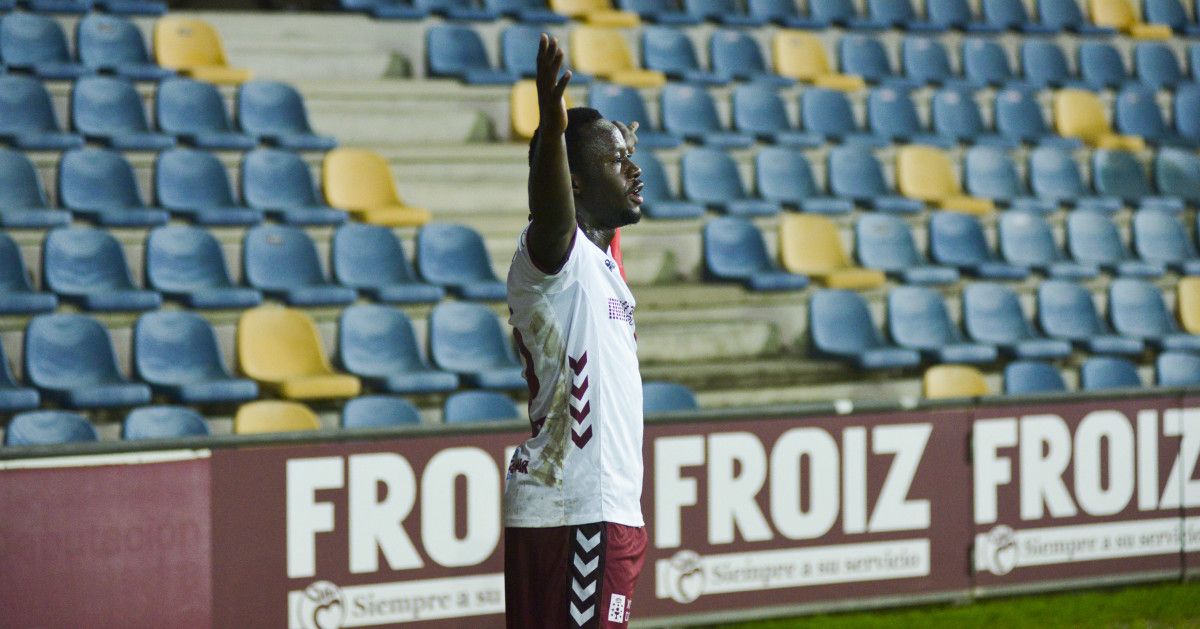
(1145, 606)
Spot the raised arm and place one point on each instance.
(551, 201)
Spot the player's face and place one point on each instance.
(612, 190)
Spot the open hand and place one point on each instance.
(629, 133)
(550, 87)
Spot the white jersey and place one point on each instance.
(575, 333)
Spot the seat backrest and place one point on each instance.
(1018, 115)
(1066, 310)
(467, 338)
(358, 179)
(25, 105)
(1156, 65)
(264, 416)
(891, 113)
(275, 178)
(1176, 173)
(1187, 295)
(1060, 14)
(467, 407)
(181, 42)
(854, 172)
(19, 184)
(619, 102)
(64, 351)
(601, 51)
(1044, 62)
(187, 106)
(276, 343)
(369, 255)
(1026, 239)
(182, 259)
(106, 41)
(957, 239)
(579, 8)
(832, 11)
(667, 397)
(710, 175)
(948, 12)
(173, 348)
(28, 38)
(896, 12)
(1005, 13)
(1177, 369)
(810, 244)
(1053, 174)
(452, 50)
(78, 260)
(1119, 174)
(783, 174)
(734, 53)
(1080, 114)
(1101, 65)
(667, 49)
(1118, 14)
(865, 56)
(163, 422)
(885, 242)
(991, 173)
(827, 112)
(103, 105)
(992, 313)
(773, 10)
(379, 411)
(917, 318)
(1092, 238)
(191, 178)
(1137, 113)
(758, 109)
(956, 114)
(40, 428)
(688, 109)
(734, 248)
(1108, 372)
(271, 108)
(518, 48)
(800, 56)
(280, 257)
(1169, 12)
(657, 188)
(96, 179)
(953, 381)
(452, 255)
(925, 59)
(840, 323)
(14, 277)
(1136, 308)
(984, 61)
(925, 173)
(1030, 377)
(377, 341)
(1187, 108)
(1159, 237)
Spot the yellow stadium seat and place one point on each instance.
(801, 56)
(604, 53)
(1123, 16)
(810, 244)
(281, 349)
(360, 181)
(1187, 303)
(596, 13)
(954, 381)
(194, 48)
(273, 416)
(1081, 114)
(925, 173)
(523, 104)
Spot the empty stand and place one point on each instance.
(1018, 117)
(163, 422)
(100, 185)
(1032, 377)
(468, 407)
(991, 174)
(918, 319)
(278, 182)
(194, 184)
(70, 359)
(1027, 240)
(1081, 114)
(1066, 311)
(13, 396)
(379, 411)
(884, 242)
(828, 113)
(759, 110)
(1137, 113)
(659, 201)
(43, 428)
(361, 181)
(689, 112)
(953, 381)
(1187, 304)
(467, 339)
(109, 110)
(1101, 66)
(195, 112)
(1093, 239)
(1106, 372)
(86, 266)
(1119, 175)
(736, 54)
(926, 174)
(734, 250)
(17, 295)
(176, 353)
(1066, 15)
(810, 245)
(282, 261)
(599, 13)
(274, 112)
(892, 115)
(455, 258)
(670, 51)
(37, 44)
(667, 397)
(1177, 369)
(187, 264)
(1170, 13)
(1177, 174)
(114, 44)
(958, 240)
(457, 52)
(603, 52)
(193, 47)
(377, 344)
(371, 259)
(268, 416)
(281, 349)
(841, 327)
(1136, 310)
(992, 314)
(854, 173)
(801, 56)
(27, 118)
(1159, 238)
(1123, 16)
(23, 203)
(710, 176)
(1054, 175)
(624, 103)
(956, 115)
(783, 175)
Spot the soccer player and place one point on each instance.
(574, 535)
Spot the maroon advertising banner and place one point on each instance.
(1189, 470)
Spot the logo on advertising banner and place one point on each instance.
(322, 606)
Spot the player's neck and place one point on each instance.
(602, 238)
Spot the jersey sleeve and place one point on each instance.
(528, 274)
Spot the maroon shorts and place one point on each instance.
(571, 576)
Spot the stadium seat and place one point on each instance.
(98, 184)
(958, 240)
(956, 116)
(282, 261)
(885, 243)
(1066, 311)
(379, 411)
(659, 202)
(598, 13)
(842, 13)
(759, 110)
(828, 113)
(1123, 16)
(70, 359)
(734, 250)
(1137, 113)
(1136, 310)
(992, 314)
(926, 61)
(991, 174)
(710, 176)
(377, 344)
(186, 263)
(466, 407)
(840, 326)
(957, 14)
(1176, 174)
(195, 112)
(49, 428)
(1119, 175)
(669, 50)
(457, 52)
(667, 12)
(900, 14)
(1187, 303)
(529, 11)
(267, 416)
(784, 176)
(1177, 369)
(810, 245)
(193, 47)
(86, 266)
(1156, 66)
(518, 51)
(176, 353)
(1187, 109)
(1032, 377)
(23, 203)
(370, 259)
(1045, 65)
(736, 54)
(854, 173)
(279, 183)
(468, 339)
(801, 56)
(689, 112)
(925, 173)
(1027, 240)
(726, 12)
(193, 184)
(17, 295)
(457, 10)
(1105, 372)
(1101, 66)
(785, 13)
(13, 396)
(1170, 13)
(37, 44)
(1012, 15)
(59, 6)
(163, 422)
(360, 181)
(986, 63)
(27, 118)
(667, 397)
(109, 110)
(1054, 176)
(918, 319)
(386, 9)
(865, 56)
(1018, 117)
(1081, 114)
(455, 258)
(953, 381)
(114, 44)
(274, 113)
(1066, 15)
(603, 52)
(1093, 239)
(282, 350)
(892, 115)
(624, 103)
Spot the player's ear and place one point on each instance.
(575, 184)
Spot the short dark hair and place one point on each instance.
(578, 120)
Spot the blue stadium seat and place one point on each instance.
(842, 13)
(282, 260)
(466, 407)
(1054, 176)
(957, 14)
(109, 110)
(990, 173)
(59, 6)
(457, 52)
(274, 112)
(70, 358)
(1177, 369)
(985, 63)
(725, 12)
(457, 10)
(37, 44)
(900, 14)
(1119, 174)
(892, 115)
(47, 428)
(467, 339)
(377, 344)
(163, 422)
(1177, 174)
(1171, 13)
(854, 173)
(1136, 310)
(518, 52)
(865, 56)
(956, 116)
(17, 295)
(667, 397)
(87, 266)
(958, 240)
(1018, 116)
(1137, 113)
(195, 112)
(734, 250)
(1093, 239)
(1194, 61)
(689, 112)
(13, 396)
(992, 314)
(1012, 15)
(176, 353)
(133, 7)
(1032, 377)
(1026, 240)
(918, 319)
(711, 177)
(1066, 311)
(669, 50)
(1156, 66)
(624, 103)
(885, 243)
(379, 411)
(23, 203)
(194, 184)
(455, 258)
(759, 110)
(27, 117)
(666, 12)
(1104, 372)
(1101, 66)
(828, 113)
(279, 183)
(186, 263)
(784, 176)
(1065, 15)
(370, 258)
(1045, 65)
(926, 61)
(529, 11)
(736, 54)
(98, 184)
(113, 44)
(386, 9)
(841, 327)
(659, 202)
(782, 12)
(1187, 109)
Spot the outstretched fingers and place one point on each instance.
(562, 84)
